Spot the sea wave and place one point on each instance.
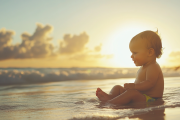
(38, 75)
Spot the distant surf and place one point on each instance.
(9, 76)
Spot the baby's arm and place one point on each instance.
(152, 75)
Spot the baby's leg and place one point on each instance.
(115, 91)
(128, 96)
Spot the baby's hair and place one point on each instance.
(153, 40)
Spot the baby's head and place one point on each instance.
(144, 46)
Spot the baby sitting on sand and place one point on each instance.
(149, 84)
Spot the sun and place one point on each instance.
(118, 44)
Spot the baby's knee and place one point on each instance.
(118, 86)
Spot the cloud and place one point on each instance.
(174, 58)
(73, 44)
(32, 46)
(98, 48)
(38, 45)
(175, 54)
(5, 38)
(75, 48)
(90, 56)
(86, 57)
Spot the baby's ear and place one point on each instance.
(151, 52)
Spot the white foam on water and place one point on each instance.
(34, 75)
(79, 102)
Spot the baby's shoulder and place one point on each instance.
(154, 66)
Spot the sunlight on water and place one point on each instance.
(76, 100)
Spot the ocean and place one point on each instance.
(69, 94)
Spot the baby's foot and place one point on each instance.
(102, 95)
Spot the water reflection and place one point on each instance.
(64, 100)
(151, 115)
(142, 111)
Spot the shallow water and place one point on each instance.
(71, 100)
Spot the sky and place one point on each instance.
(84, 33)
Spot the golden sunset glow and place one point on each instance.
(87, 34)
(118, 43)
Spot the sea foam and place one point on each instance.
(39, 75)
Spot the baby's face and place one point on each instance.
(139, 50)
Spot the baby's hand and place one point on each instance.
(129, 86)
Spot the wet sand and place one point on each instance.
(162, 114)
(76, 100)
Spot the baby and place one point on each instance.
(149, 84)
